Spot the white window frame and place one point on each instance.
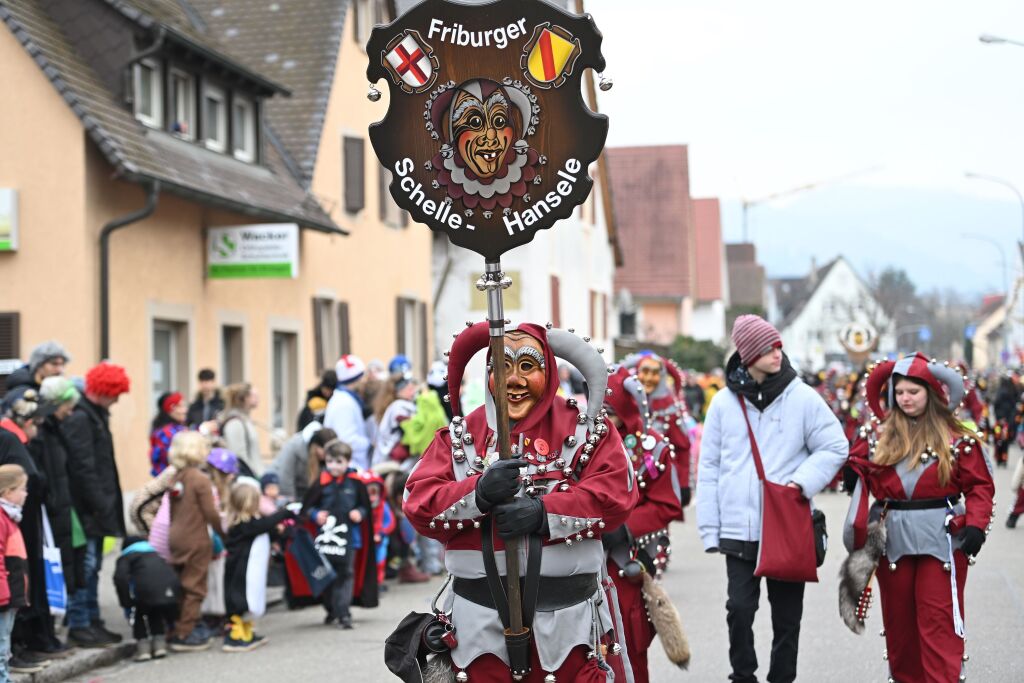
(190, 103)
(364, 21)
(156, 93)
(219, 141)
(248, 152)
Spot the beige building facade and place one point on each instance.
(364, 292)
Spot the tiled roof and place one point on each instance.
(141, 154)
(707, 221)
(793, 293)
(651, 197)
(294, 42)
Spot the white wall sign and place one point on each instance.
(253, 251)
(8, 219)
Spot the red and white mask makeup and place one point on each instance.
(525, 373)
(648, 371)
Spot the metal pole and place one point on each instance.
(496, 282)
(1020, 198)
(1006, 284)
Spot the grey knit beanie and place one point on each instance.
(46, 351)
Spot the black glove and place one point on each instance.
(519, 517)
(616, 538)
(850, 478)
(685, 495)
(498, 483)
(971, 540)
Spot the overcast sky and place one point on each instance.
(774, 95)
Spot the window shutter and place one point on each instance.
(421, 317)
(354, 190)
(604, 316)
(556, 302)
(593, 313)
(318, 338)
(382, 176)
(400, 325)
(10, 337)
(344, 334)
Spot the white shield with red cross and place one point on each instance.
(411, 62)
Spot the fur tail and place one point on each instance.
(667, 623)
(439, 669)
(855, 575)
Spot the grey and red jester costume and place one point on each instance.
(931, 530)
(641, 545)
(668, 412)
(574, 472)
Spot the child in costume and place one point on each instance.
(14, 567)
(148, 590)
(383, 522)
(245, 574)
(339, 505)
(193, 513)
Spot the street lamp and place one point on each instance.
(1006, 184)
(1006, 281)
(1002, 257)
(997, 40)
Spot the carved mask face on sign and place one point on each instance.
(483, 132)
(648, 371)
(525, 374)
(487, 136)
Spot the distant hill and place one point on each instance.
(916, 229)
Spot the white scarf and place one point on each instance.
(13, 511)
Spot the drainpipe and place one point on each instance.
(108, 229)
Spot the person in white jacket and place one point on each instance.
(801, 444)
(345, 414)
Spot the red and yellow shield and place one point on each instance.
(549, 56)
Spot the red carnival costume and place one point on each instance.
(926, 528)
(642, 543)
(668, 412)
(577, 472)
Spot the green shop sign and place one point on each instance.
(253, 251)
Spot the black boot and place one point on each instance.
(1011, 521)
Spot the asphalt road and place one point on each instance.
(302, 648)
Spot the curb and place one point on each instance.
(78, 663)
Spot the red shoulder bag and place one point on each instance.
(786, 551)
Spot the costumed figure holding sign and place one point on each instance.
(488, 141)
(566, 483)
(933, 506)
(639, 549)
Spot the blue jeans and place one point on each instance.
(6, 625)
(83, 605)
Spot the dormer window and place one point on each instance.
(182, 108)
(193, 106)
(243, 128)
(215, 120)
(148, 89)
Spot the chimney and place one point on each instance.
(813, 277)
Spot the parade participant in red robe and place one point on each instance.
(567, 482)
(642, 543)
(933, 492)
(668, 409)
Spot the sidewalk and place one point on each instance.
(85, 660)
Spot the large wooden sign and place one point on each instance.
(487, 136)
